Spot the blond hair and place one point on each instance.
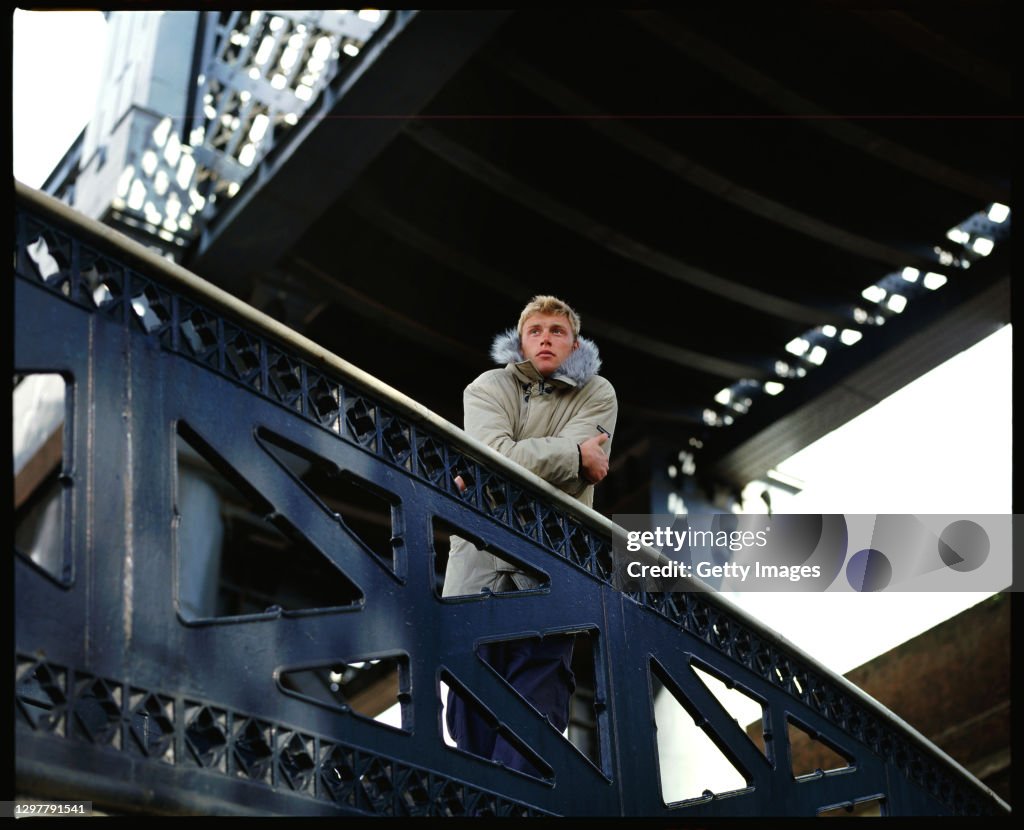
(546, 304)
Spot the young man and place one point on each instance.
(550, 411)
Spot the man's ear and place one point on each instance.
(575, 344)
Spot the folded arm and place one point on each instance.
(554, 458)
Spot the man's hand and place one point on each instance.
(460, 484)
(593, 459)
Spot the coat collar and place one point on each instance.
(577, 369)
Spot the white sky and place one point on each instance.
(941, 445)
(57, 60)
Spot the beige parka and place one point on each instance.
(539, 423)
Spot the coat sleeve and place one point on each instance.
(554, 458)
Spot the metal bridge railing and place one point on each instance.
(138, 692)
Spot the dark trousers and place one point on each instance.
(540, 670)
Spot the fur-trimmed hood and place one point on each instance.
(578, 368)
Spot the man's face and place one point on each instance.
(547, 341)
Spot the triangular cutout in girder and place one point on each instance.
(506, 581)
(364, 511)
(478, 730)
(236, 555)
(736, 701)
(811, 753)
(376, 688)
(566, 658)
(691, 763)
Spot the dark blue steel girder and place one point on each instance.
(122, 700)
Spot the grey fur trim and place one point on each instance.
(505, 348)
(579, 367)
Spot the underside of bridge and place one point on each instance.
(704, 190)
